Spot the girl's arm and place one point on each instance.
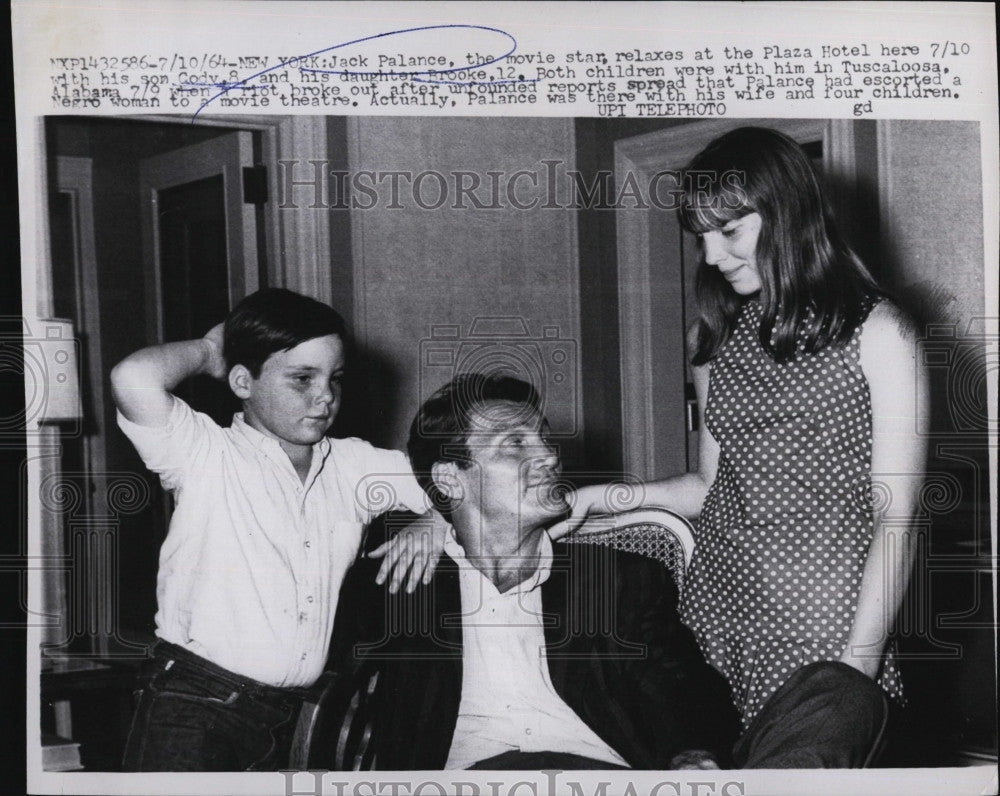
(898, 388)
(683, 494)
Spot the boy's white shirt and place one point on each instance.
(251, 568)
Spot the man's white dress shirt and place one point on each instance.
(508, 701)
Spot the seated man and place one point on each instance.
(522, 654)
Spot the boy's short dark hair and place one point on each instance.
(275, 319)
(441, 429)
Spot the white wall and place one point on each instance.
(932, 216)
(417, 269)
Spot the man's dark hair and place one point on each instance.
(275, 319)
(441, 429)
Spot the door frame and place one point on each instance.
(74, 177)
(297, 240)
(653, 373)
(183, 166)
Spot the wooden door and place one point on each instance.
(199, 248)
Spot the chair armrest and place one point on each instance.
(657, 533)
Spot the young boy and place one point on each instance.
(268, 517)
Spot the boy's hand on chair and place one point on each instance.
(215, 363)
(413, 553)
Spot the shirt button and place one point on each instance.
(309, 599)
(303, 656)
(308, 544)
(528, 731)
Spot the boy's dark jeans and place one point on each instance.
(192, 715)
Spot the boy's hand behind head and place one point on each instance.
(215, 364)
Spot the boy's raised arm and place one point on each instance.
(142, 382)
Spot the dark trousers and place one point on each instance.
(827, 715)
(192, 715)
(541, 761)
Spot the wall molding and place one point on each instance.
(74, 177)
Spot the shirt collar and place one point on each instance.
(270, 445)
(541, 574)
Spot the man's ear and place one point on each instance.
(240, 381)
(445, 477)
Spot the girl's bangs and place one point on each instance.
(709, 207)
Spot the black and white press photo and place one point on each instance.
(458, 406)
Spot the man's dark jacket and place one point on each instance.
(617, 653)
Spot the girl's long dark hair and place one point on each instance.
(814, 288)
